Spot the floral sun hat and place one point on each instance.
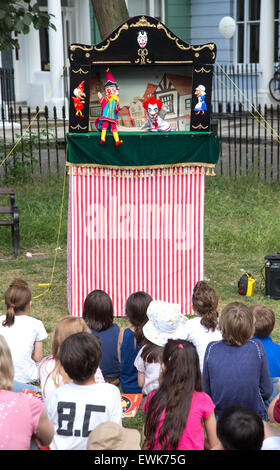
(165, 322)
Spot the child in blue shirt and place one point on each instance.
(131, 339)
(98, 315)
(264, 324)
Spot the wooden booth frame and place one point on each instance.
(163, 48)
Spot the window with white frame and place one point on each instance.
(247, 14)
(154, 8)
(248, 30)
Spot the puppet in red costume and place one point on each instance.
(78, 99)
(155, 114)
(110, 108)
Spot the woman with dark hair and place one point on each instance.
(179, 409)
(204, 327)
(98, 315)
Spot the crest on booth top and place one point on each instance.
(142, 38)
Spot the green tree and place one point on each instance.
(16, 17)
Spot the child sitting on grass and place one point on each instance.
(179, 411)
(131, 339)
(165, 322)
(98, 315)
(76, 408)
(51, 372)
(23, 333)
(235, 370)
(264, 325)
(204, 328)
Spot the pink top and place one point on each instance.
(193, 436)
(19, 418)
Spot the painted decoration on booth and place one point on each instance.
(170, 85)
(142, 38)
(79, 99)
(200, 93)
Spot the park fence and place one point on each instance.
(35, 141)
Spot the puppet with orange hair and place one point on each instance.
(155, 114)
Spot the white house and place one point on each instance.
(43, 55)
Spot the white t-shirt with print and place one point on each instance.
(151, 370)
(200, 336)
(21, 337)
(76, 409)
(47, 383)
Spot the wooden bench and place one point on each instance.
(13, 222)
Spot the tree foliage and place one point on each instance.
(16, 17)
(109, 15)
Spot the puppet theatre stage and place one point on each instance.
(136, 215)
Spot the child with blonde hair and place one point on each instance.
(51, 372)
(22, 417)
(23, 333)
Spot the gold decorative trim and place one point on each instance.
(84, 48)
(200, 126)
(141, 172)
(80, 71)
(173, 62)
(210, 46)
(78, 127)
(144, 167)
(173, 38)
(142, 23)
(143, 53)
(202, 70)
(103, 48)
(111, 62)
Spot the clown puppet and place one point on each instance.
(200, 107)
(78, 99)
(110, 108)
(155, 115)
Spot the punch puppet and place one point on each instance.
(110, 108)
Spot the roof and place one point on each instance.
(151, 87)
(182, 83)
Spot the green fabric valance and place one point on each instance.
(143, 149)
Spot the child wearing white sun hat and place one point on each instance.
(165, 322)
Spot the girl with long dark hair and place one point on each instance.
(178, 410)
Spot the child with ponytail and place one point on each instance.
(178, 411)
(23, 333)
(205, 326)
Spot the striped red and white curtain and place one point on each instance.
(132, 230)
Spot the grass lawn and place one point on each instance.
(242, 225)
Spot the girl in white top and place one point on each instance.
(204, 328)
(23, 333)
(51, 372)
(164, 322)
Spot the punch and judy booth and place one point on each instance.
(138, 150)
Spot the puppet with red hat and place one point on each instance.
(110, 108)
(78, 99)
(155, 114)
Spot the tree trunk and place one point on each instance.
(109, 15)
